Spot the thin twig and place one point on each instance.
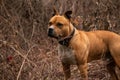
(33, 30)
(24, 62)
(22, 55)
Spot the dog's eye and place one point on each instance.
(50, 23)
(59, 25)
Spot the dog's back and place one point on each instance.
(103, 43)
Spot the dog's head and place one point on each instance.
(59, 26)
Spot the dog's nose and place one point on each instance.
(51, 32)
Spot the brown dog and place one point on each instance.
(80, 47)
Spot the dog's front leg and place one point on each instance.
(66, 69)
(83, 71)
(81, 58)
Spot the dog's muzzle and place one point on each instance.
(51, 32)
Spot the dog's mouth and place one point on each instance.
(52, 34)
(56, 37)
(63, 40)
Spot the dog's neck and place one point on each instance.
(65, 41)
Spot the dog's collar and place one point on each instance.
(65, 41)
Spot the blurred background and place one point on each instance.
(26, 53)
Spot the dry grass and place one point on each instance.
(26, 53)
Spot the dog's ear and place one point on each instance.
(55, 11)
(68, 14)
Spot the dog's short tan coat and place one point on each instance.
(85, 46)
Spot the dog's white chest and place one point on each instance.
(67, 55)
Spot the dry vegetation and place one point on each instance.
(26, 53)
